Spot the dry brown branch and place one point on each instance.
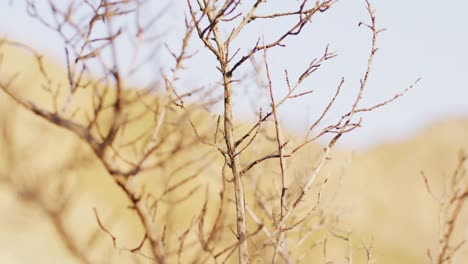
(450, 207)
(80, 49)
(279, 141)
(369, 251)
(103, 228)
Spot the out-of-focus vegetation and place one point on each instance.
(377, 195)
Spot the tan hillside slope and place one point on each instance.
(378, 193)
(389, 200)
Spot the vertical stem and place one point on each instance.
(282, 161)
(235, 167)
(232, 158)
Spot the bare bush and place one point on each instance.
(157, 135)
(450, 203)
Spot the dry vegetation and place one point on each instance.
(154, 174)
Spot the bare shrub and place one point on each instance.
(235, 184)
(450, 203)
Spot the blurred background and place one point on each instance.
(382, 196)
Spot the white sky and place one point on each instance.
(425, 38)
